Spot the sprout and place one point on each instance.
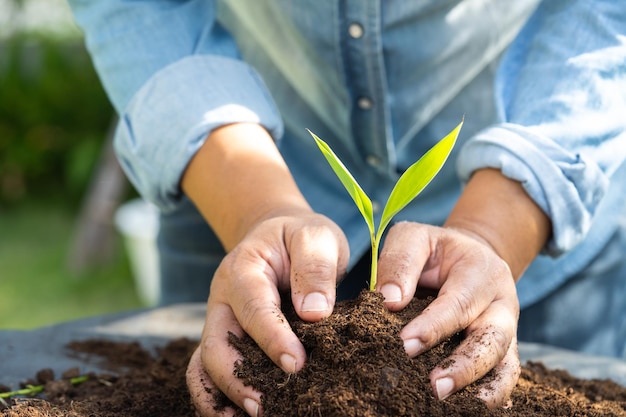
(31, 390)
(410, 184)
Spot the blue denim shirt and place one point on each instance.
(541, 85)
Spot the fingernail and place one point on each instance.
(288, 363)
(315, 301)
(444, 387)
(413, 347)
(251, 407)
(391, 292)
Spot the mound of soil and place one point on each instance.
(356, 367)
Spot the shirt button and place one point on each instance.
(365, 103)
(355, 30)
(373, 160)
(375, 207)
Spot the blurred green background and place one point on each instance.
(54, 118)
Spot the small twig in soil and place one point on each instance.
(105, 382)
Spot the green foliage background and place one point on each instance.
(54, 116)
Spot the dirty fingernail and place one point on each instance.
(444, 387)
(251, 407)
(288, 363)
(391, 292)
(315, 301)
(413, 347)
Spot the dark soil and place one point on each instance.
(356, 367)
(139, 384)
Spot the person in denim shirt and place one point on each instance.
(214, 99)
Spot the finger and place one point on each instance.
(470, 287)
(404, 254)
(256, 305)
(486, 343)
(446, 315)
(319, 256)
(218, 358)
(202, 389)
(497, 391)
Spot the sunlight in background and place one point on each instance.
(53, 17)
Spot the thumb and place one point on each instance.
(318, 259)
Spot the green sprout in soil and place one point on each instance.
(409, 186)
(32, 390)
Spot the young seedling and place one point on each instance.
(410, 184)
(32, 390)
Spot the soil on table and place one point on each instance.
(356, 367)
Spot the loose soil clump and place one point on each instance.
(356, 367)
(139, 384)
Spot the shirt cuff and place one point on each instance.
(169, 118)
(565, 185)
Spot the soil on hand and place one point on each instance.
(356, 367)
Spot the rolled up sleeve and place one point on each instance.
(562, 109)
(174, 75)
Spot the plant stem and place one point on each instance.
(374, 269)
(36, 389)
(29, 390)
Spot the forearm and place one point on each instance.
(497, 210)
(238, 177)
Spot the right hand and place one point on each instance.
(293, 250)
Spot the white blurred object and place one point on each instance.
(138, 222)
(50, 17)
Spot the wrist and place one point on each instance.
(497, 211)
(239, 177)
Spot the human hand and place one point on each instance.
(299, 251)
(477, 295)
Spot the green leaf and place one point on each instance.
(361, 199)
(417, 177)
(410, 184)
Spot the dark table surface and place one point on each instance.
(24, 352)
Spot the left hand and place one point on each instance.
(476, 295)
